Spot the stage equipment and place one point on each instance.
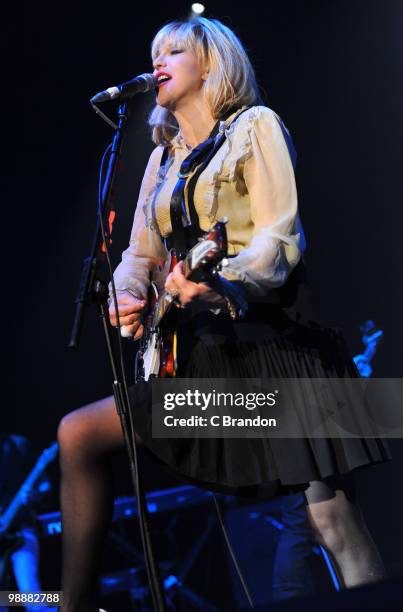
(140, 84)
(279, 543)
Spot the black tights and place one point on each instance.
(89, 438)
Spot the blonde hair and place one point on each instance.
(231, 81)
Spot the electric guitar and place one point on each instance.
(157, 352)
(10, 541)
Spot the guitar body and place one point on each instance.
(157, 349)
(157, 353)
(167, 367)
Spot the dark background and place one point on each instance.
(329, 68)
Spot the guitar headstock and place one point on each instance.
(371, 335)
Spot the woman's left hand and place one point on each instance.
(187, 291)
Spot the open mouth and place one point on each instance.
(164, 78)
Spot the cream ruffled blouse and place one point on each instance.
(250, 180)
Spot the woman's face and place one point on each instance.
(185, 77)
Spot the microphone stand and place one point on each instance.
(93, 289)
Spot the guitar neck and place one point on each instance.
(18, 500)
(27, 486)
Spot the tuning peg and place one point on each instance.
(224, 262)
(224, 220)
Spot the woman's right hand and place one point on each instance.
(130, 313)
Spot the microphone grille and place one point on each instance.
(151, 81)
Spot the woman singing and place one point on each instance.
(207, 89)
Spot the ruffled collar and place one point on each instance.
(178, 141)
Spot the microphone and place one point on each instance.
(139, 84)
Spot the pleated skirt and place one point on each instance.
(261, 467)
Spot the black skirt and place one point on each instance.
(262, 467)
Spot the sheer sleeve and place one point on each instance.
(277, 240)
(146, 252)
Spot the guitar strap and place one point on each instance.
(186, 229)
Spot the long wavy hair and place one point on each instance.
(231, 81)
